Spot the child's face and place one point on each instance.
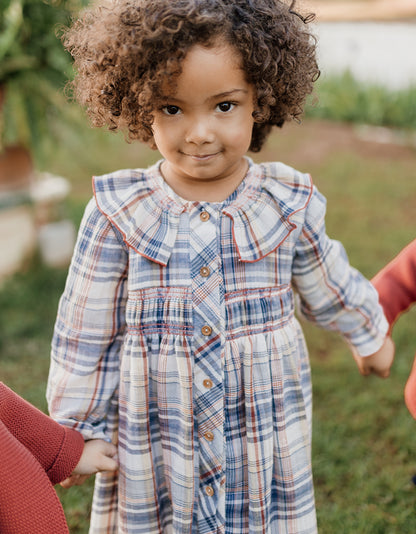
(203, 127)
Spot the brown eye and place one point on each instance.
(171, 110)
(225, 106)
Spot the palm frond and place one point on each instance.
(34, 68)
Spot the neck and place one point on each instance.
(216, 189)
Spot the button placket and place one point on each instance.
(208, 392)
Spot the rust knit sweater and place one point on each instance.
(396, 286)
(35, 453)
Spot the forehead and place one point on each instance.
(212, 70)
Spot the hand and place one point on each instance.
(74, 480)
(378, 363)
(98, 455)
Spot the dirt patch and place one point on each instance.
(309, 143)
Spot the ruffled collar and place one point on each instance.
(263, 209)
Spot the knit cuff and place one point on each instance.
(67, 457)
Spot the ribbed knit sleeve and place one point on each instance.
(396, 283)
(56, 448)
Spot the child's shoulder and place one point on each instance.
(117, 194)
(293, 192)
(134, 204)
(121, 180)
(121, 189)
(286, 175)
(289, 188)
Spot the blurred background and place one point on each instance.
(357, 139)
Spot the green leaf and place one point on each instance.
(34, 68)
(10, 26)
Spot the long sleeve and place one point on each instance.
(89, 328)
(35, 453)
(396, 283)
(57, 449)
(396, 286)
(333, 294)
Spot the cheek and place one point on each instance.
(164, 137)
(243, 132)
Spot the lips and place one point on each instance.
(202, 157)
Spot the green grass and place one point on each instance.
(363, 445)
(342, 98)
(363, 448)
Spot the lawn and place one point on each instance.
(363, 449)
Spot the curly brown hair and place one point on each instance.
(125, 49)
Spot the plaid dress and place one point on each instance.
(176, 336)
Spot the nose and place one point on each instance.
(199, 131)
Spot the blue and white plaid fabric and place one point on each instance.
(176, 337)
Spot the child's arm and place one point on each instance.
(333, 294)
(396, 286)
(396, 283)
(57, 449)
(89, 330)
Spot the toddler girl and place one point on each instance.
(176, 330)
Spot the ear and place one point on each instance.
(151, 143)
(149, 139)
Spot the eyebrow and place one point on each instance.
(225, 94)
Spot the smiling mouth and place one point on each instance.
(201, 157)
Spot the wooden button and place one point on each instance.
(204, 216)
(207, 383)
(209, 436)
(204, 271)
(206, 330)
(209, 491)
